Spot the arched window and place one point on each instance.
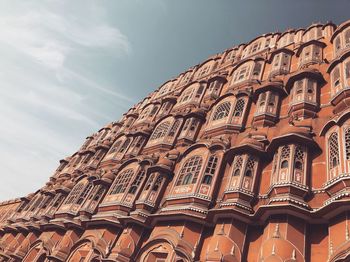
(210, 170)
(115, 146)
(154, 111)
(333, 148)
(74, 194)
(237, 166)
(285, 153)
(85, 192)
(122, 181)
(239, 108)
(174, 128)
(257, 69)
(347, 142)
(125, 145)
(347, 38)
(149, 182)
(99, 193)
(190, 171)
(161, 130)
(249, 171)
(347, 70)
(187, 95)
(222, 111)
(336, 77)
(299, 158)
(136, 183)
(157, 184)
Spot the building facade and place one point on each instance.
(244, 157)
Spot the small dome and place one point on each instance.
(164, 161)
(251, 142)
(68, 184)
(108, 175)
(289, 129)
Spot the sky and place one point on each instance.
(67, 68)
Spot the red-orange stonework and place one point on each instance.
(244, 157)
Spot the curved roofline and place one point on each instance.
(339, 29)
(337, 61)
(311, 42)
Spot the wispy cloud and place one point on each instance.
(48, 101)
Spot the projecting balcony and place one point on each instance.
(340, 98)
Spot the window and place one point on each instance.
(174, 128)
(115, 147)
(238, 111)
(336, 77)
(190, 171)
(154, 111)
(85, 192)
(249, 171)
(125, 145)
(237, 166)
(257, 69)
(199, 91)
(347, 142)
(122, 182)
(222, 111)
(157, 184)
(75, 193)
(187, 95)
(337, 44)
(210, 170)
(347, 38)
(161, 130)
(333, 148)
(347, 70)
(299, 158)
(285, 153)
(136, 183)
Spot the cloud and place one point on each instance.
(49, 101)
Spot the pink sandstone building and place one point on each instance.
(244, 157)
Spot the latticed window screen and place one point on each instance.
(210, 169)
(285, 153)
(115, 146)
(99, 193)
(347, 37)
(299, 158)
(85, 193)
(125, 145)
(157, 183)
(160, 130)
(257, 69)
(347, 70)
(150, 181)
(333, 148)
(190, 171)
(237, 165)
(187, 95)
(75, 193)
(250, 166)
(347, 142)
(336, 76)
(174, 128)
(239, 107)
(122, 181)
(222, 111)
(136, 183)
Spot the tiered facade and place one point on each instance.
(244, 157)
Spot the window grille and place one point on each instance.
(333, 148)
(240, 104)
(85, 193)
(347, 142)
(222, 111)
(174, 128)
(160, 130)
(74, 194)
(210, 170)
(136, 183)
(122, 181)
(190, 171)
(299, 158)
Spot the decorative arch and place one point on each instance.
(174, 246)
(85, 248)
